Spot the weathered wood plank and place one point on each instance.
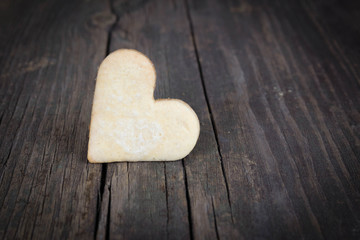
(285, 101)
(282, 82)
(176, 200)
(50, 51)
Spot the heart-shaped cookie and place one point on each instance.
(128, 124)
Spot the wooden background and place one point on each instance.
(276, 86)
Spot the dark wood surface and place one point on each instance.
(276, 86)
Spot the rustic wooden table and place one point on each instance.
(275, 85)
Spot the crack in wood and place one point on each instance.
(104, 165)
(188, 14)
(167, 202)
(112, 26)
(188, 201)
(107, 235)
(100, 197)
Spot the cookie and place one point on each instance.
(128, 124)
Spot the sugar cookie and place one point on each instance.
(128, 124)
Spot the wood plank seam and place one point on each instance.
(104, 165)
(188, 201)
(100, 197)
(207, 103)
(167, 201)
(107, 236)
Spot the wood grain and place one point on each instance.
(49, 55)
(275, 85)
(285, 112)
